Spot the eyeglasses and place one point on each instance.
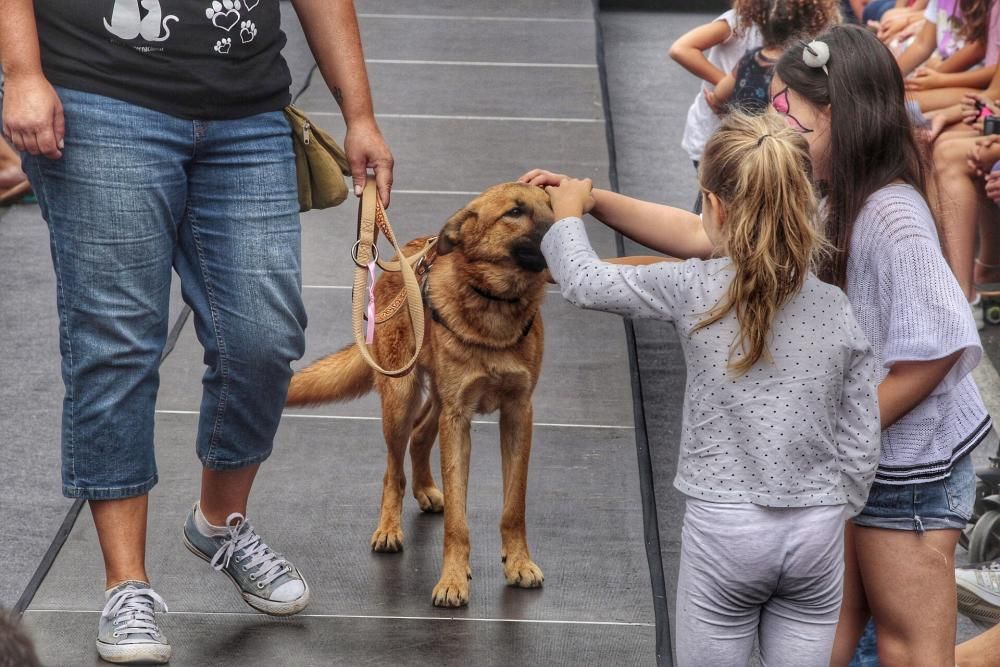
(780, 104)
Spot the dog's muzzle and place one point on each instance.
(527, 253)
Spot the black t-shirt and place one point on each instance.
(197, 59)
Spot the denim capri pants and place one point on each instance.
(139, 194)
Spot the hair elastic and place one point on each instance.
(816, 54)
(762, 138)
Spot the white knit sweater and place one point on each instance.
(911, 308)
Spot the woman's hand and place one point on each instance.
(33, 115)
(924, 79)
(571, 198)
(366, 149)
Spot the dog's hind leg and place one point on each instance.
(400, 400)
(515, 451)
(452, 590)
(421, 443)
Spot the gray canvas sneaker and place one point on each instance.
(128, 633)
(265, 579)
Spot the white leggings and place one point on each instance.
(746, 572)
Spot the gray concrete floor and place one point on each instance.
(649, 97)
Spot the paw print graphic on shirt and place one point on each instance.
(223, 45)
(250, 5)
(224, 14)
(248, 31)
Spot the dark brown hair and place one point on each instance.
(781, 21)
(872, 141)
(972, 19)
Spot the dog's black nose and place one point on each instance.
(527, 254)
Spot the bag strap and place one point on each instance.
(371, 217)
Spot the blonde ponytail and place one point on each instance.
(759, 169)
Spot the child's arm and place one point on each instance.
(921, 49)
(909, 383)
(724, 90)
(688, 50)
(858, 432)
(645, 291)
(665, 229)
(926, 79)
(966, 57)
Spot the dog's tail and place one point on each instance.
(341, 376)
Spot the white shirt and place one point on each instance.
(701, 120)
(799, 430)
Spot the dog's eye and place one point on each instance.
(515, 212)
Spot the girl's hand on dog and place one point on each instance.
(547, 179)
(542, 178)
(571, 198)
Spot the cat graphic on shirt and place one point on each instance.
(128, 23)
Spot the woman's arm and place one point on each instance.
(331, 28)
(909, 383)
(921, 49)
(32, 113)
(689, 50)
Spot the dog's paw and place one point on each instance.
(452, 591)
(430, 499)
(522, 572)
(387, 540)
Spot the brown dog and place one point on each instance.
(482, 353)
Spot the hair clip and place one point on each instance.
(816, 54)
(761, 139)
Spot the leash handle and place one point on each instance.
(371, 217)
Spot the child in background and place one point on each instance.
(973, 24)
(780, 436)
(710, 52)
(780, 22)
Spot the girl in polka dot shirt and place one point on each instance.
(780, 436)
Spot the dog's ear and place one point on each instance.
(451, 234)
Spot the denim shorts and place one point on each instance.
(946, 503)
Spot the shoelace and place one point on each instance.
(131, 611)
(988, 574)
(246, 544)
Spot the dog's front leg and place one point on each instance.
(452, 589)
(515, 449)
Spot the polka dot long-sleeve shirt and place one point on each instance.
(799, 429)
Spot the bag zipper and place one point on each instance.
(305, 132)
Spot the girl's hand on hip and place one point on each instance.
(33, 119)
(366, 149)
(571, 198)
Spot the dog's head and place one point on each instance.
(503, 225)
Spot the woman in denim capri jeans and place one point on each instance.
(154, 137)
